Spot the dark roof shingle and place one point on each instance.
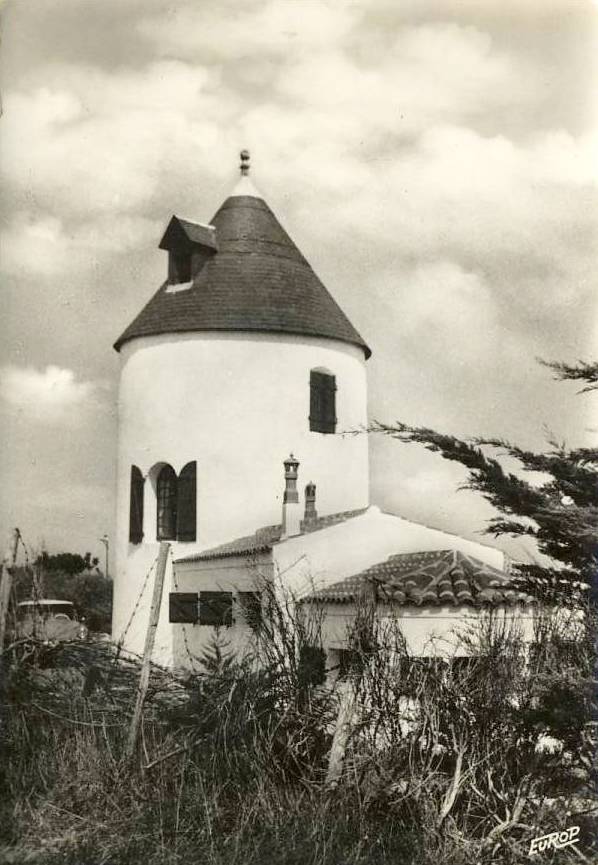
(258, 280)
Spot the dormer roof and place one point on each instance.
(254, 279)
(183, 232)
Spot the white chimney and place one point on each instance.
(310, 517)
(291, 509)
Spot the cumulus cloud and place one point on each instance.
(112, 134)
(469, 322)
(385, 139)
(51, 395)
(43, 245)
(231, 31)
(431, 160)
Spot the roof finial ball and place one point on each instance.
(244, 166)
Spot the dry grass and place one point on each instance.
(232, 763)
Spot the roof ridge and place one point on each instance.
(442, 531)
(266, 536)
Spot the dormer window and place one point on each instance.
(190, 245)
(322, 401)
(179, 267)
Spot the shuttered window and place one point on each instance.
(136, 507)
(180, 267)
(251, 608)
(216, 609)
(312, 665)
(182, 607)
(186, 505)
(322, 402)
(166, 493)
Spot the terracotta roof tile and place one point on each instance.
(436, 578)
(258, 280)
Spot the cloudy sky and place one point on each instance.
(435, 160)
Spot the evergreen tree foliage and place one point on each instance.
(557, 507)
(218, 657)
(68, 577)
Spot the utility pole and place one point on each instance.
(150, 637)
(105, 540)
(8, 564)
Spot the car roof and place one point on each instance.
(44, 601)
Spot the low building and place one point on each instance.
(431, 582)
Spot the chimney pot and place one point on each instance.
(291, 510)
(311, 515)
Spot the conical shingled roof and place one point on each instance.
(257, 281)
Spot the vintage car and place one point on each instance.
(49, 619)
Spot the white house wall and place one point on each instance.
(321, 558)
(234, 574)
(237, 404)
(428, 631)
(130, 608)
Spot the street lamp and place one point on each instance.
(104, 540)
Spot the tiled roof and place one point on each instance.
(437, 578)
(257, 281)
(263, 540)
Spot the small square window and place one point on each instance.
(216, 609)
(322, 402)
(312, 665)
(182, 607)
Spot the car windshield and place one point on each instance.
(44, 609)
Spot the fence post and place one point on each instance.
(150, 637)
(8, 564)
(342, 731)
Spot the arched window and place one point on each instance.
(166, 494)
(187, 498)
(136, 507)
(322, 402)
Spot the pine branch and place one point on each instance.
(498, 526)
(504, 490)
(561, 514)
(581, 371)
(573, 471)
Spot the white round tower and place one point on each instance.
(241, 357)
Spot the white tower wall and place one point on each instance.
(237, 404)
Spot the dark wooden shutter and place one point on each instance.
(312, 665)
(166, 495)
(187, 504)
(179, 266)
(136, 507)
(216, 608)
(322, 402)
(182, 607)
(251, 608)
